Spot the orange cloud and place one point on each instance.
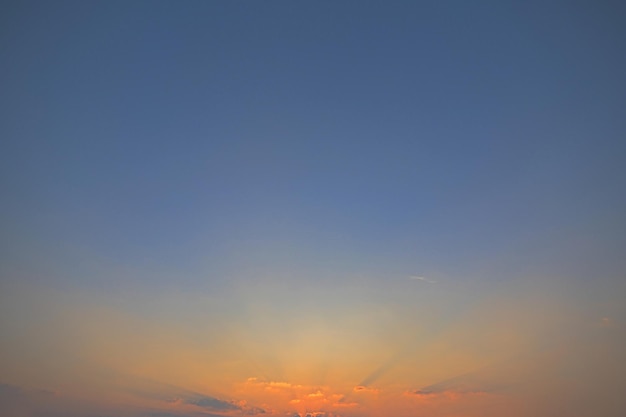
(345, 405)
(292, 399)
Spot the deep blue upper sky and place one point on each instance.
(201, 141)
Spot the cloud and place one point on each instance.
(302, 400)
(420, 278)
(365, 389)
(311, 391)
(317, 394)
(200, 400)
(209, 402)
(14, 391)
(280, 384)
(448, 393)
(7, 390)
(151, 389)
(472, 383)
(168, 414)
(16, 400)
(605, 322)
(179, 414)
(341, 404)
(252, 411)
(162, 414)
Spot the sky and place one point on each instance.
(312, 209)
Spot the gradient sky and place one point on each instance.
(323, 209)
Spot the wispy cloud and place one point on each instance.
(472, 383)
(605, 322)
(421, 278)
(147, 388)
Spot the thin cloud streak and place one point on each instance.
(423, 279)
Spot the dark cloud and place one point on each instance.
(312, 414)
(468, 383)
(172, 393)
(162, 414)
(204, 401)
(66, 413)
(168, 414)
(14, 400)
(14, 391)
(10, 391)
(30, 402)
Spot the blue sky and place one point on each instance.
(325, 148)
(442, 134)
